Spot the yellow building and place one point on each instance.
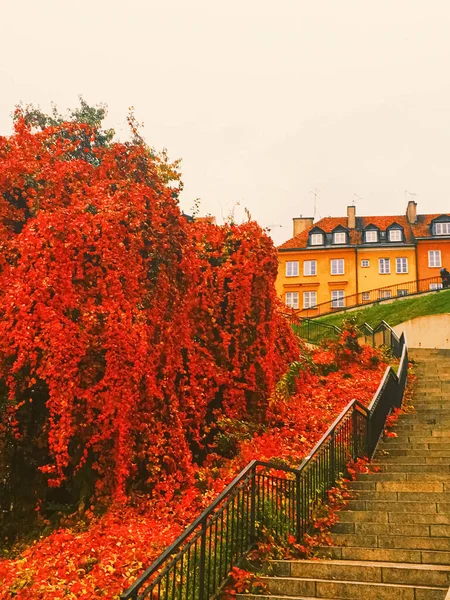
(346, 260)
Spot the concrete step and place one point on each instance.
(294, 587)
(391, 541)
(368, 516)
(399, 506)
(389, 529)
(401, 477)
(425, 452)
(411, 467)
(417, 556)
(364, 571)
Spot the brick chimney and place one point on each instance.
(302, 223)
(411, 212)
(351, 217)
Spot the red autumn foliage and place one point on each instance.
(102, 557)
(134, 348)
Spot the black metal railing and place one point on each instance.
(268, 499)
(399, 290)
(314, 331)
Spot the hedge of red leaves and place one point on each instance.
(103, 555)
(125, 331)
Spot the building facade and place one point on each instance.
(352, 260)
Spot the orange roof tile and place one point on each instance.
(328, 224)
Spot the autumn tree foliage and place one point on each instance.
(126, 331)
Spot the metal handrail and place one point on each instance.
(259, 501)
(376, 295)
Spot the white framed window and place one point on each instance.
(395, 235)
(384, 294)
(442, 228)
(402, 292)
(371, 235)
(401, 265)
(435, 286)
(365, 263)
(309, 299)
(434, 258)
(340, 237)
(337, 266)
(292, 268)
(337, 299)
(365, 296)
(292, 299)
(309, 267)
(316, 239)
(384, 266)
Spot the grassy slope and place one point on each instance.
(396, 311)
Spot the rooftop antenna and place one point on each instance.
(355, 198)
(315, 193)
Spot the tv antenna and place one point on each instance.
(315, 193)
(355, 199)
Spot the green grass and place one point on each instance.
(395, 311)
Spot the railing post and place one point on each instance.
(355, 433)
(253, 508)
(333, 457)
(298, 515)
(202, 567)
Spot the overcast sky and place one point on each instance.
(264, 101)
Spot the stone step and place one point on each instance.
(425, 452)
(390, 529)
(413, 460)
(417, 556)
(294, 587)
(422, 430)
(368, 516)
(400, 486)
(401, 477)
(391, 541)
(403, 444)
(364, 571)
(411, 467)
(418, 507)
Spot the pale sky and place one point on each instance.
(263, 101)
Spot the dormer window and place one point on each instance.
(442, 229)
(395, 235)
(316, 239)
(371, 235)
(340, 237)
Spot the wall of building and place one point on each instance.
(370, 278)
(323, 282)
(423, 246)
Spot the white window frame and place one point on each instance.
(395, 235)
(384, 294)
(402, 292)
(442, 228)
(292, 299)
(365, 263)
(292, 268)
(382, 263)
(337, 266)
(434, 259)
(310, 299)
(316, 239)
(371, 233)
(309, 268)
(338, 298)
(436, 286)
(340, 237)
(401, 265)
(365, 296)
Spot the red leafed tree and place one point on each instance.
(125, 330)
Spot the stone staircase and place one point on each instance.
(393, 539)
